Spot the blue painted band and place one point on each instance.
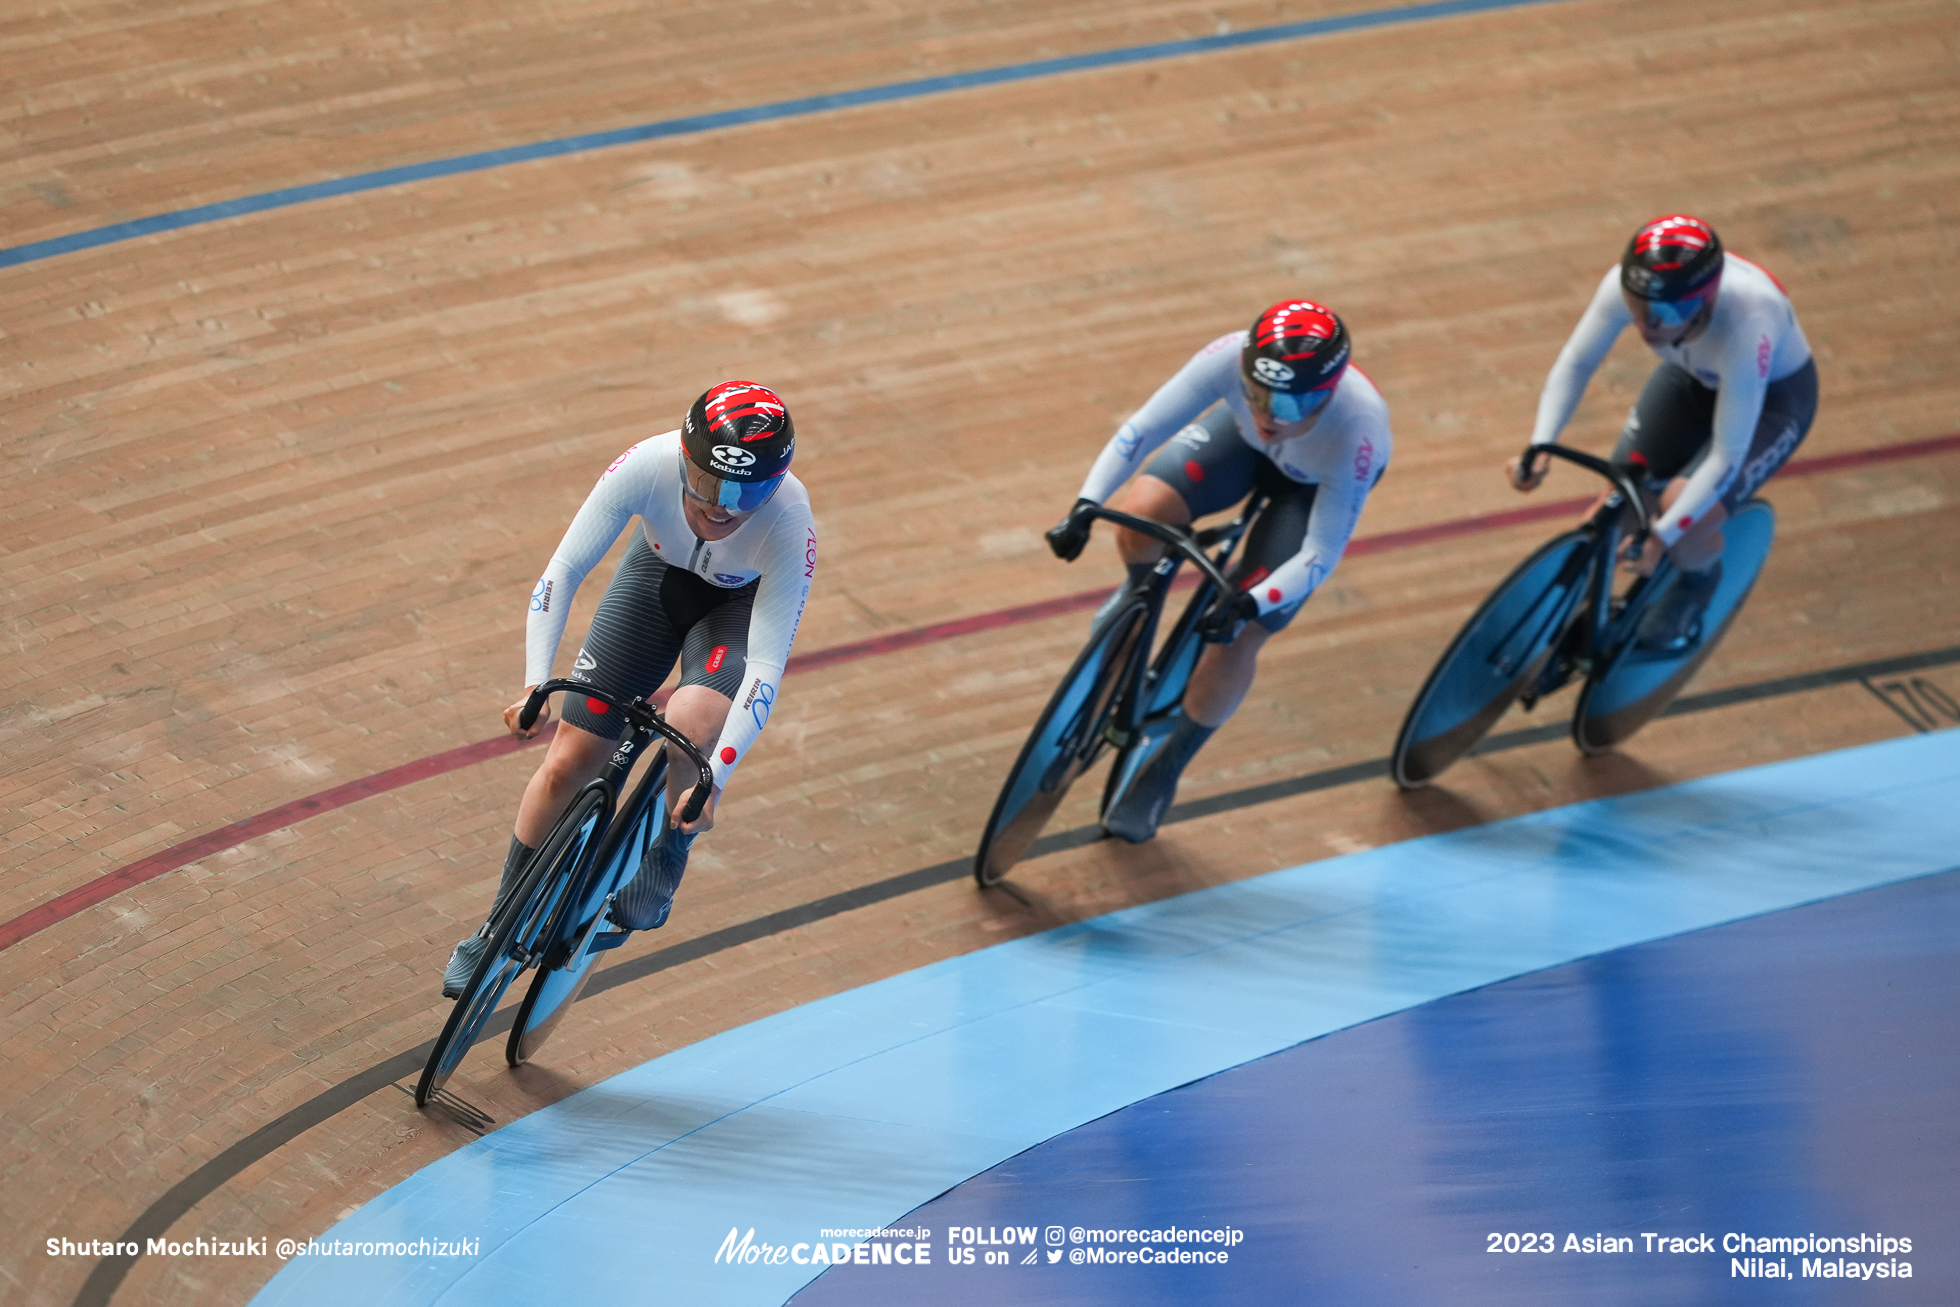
(707, 122)
(851, 1111)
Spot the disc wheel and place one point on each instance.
(1066, 740)
(1631, 686)
(517, 933)
(1493, 658)
(561, 977)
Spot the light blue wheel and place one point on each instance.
(1631, 686)
(567, 961)
(518, 933)
(1065, 742)
(1500, 649)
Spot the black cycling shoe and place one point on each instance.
(644, 902)
(1135, 815)
(1136, 812)
(1672, 623)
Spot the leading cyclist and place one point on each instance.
(1278, 408)
(716, 577)
(1734, 394)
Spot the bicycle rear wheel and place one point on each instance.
(1631, 686)
(1500, 649)
(568, 959)
(517, 933)
(1066, 740)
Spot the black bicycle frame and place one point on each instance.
(1601, 632)
(1187, 544)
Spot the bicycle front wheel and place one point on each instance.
(568, 960)
(517, 933)
(1500, 649)
(1067, 739)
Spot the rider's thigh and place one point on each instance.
(575, 756)
(1788, 408)
(1276, 536)
(632, 643)
(1208, 465)
(1671, 422)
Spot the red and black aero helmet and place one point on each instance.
(739, 437)
(1671, 258)
(1293, 358)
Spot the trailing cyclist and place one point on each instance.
(1277, 408)
(716, 578)
(1733, 396)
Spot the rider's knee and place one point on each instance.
(1160, 502)
(698, 711)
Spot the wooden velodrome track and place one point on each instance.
(276, 488)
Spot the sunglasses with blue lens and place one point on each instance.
(734, 496)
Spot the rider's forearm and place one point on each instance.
(746, 718)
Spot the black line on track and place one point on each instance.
(166, 1211)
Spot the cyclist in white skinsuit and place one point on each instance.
(1733, 397)
(1277, 408)
(716, 578)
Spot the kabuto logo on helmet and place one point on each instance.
(739, 431)
(1296, 346)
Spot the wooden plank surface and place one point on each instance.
(277, 488)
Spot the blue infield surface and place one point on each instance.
(852, 1112)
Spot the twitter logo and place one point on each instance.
(1054, 1255)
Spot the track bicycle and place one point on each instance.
(555, 919)
(1115, 695)
(1556, 619)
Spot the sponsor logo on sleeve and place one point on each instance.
(541, 598)
(1364, 459)
(1762, 357)
(614, 466)
(809, 557)
(762, 697)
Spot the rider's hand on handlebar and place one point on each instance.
(706, 821)
(1068, 538)
(511, 714)
(1527, 479)
(1227, 618)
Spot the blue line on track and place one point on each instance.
(708, 122)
